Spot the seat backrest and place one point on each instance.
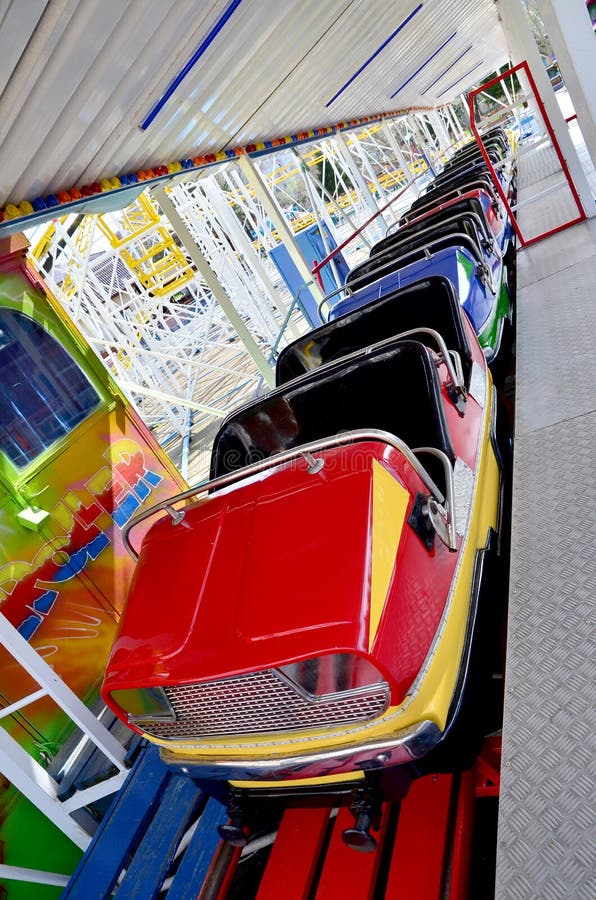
(469, 204)
(460, 218)
(396, 258)
(410, 237)
(450, 176)
(428, 202)
(459, 177)
(395, 388)
(495, 154)
(430, 303)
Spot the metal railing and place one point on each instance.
(24, 772)
(445, 505)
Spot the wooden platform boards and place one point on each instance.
(160, 840)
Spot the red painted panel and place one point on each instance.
(269, 573)
(295, 855)
(348, 873)
(417, 865)
(462, 838)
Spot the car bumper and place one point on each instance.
(404, 747)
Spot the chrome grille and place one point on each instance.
(261, 702)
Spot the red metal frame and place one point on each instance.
(347, 873)
(488, 769)
(317, 266)
(295, 854)
(422, 840)
(462, 836)
(580, 218)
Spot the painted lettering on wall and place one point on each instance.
(84, 521)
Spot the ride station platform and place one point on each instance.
(547, 816)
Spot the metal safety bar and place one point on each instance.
(459, 237)
(449, 357)
(304, 450)
(445, 355)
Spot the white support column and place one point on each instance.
(401, 159)
(440, 130)
(320, 213)
(509, 95)
(459, 132)
(570, 31)
(451, 122)
(367, 166)
(33, 782)
(181, 230)
(240, 240)
(433, 143)
(354, 172)
(423, 140)
(523, 46)
(313, 187)
(464, 103)
(342, 211)
(261, 189)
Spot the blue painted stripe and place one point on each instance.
(424, 64)
(227, 13)
(444, 72)
(460, 79)
(375, 54)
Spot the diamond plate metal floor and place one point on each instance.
(547, 821)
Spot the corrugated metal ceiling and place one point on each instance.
(79, 77)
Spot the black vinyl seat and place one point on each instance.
(429, 303)
(466, 216)
(412, 236)
(493, 144)
(458, 177)
(427, 202)
(403, 254)
(394, 388)
(469, 204)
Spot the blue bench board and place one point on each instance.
(141, 832)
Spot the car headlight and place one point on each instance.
(334, 673)
(144, 704)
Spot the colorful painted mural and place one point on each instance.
(76, 463)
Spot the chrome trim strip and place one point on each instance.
(455, 578)
(463, 478)
(477, 388)
(480, 224)
(407, 745)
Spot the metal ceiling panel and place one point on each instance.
(79, 77)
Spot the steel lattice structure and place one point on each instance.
(130, 285)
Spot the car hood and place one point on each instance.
(268, 573)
